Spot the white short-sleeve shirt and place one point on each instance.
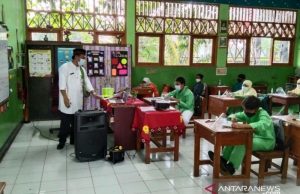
(70, 79)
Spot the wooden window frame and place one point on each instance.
(248, 42)
(161, 53)
(214, 51)
(192, 36)
(61, 29)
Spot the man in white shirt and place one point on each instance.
(73, 82)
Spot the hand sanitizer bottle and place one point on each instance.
(219, 83)
(219, 93)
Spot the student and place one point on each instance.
(185, 99)
(199, 92)
(246, 90)
(260, 122)
(295, 91)
(73, 81)
(238, 85)
(147, 83)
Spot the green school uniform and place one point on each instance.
(263, 136)
(185, 97)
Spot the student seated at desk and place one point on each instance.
(246, 90)
(185, 99)
(147, 83)
(239, 82)
(260, 122)
(296, 91)
(199, 92)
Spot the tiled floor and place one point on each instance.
(33, 165)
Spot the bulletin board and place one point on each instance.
(39, 63)
(119, 63)
(95, 63)
(64, 55)
(4, 76)
(119, 81)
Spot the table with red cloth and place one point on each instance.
(155, 126)
(108, 106)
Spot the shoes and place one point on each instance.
(211, 157)
(226, 167)
(60, 146)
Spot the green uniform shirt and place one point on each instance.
(185, 97)
(263, 126)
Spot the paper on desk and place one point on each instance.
(147, 108)
(112, 101)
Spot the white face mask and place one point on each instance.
(198, 80)
(177, 87)
(82, 62)
(298, 86)
(245, 89)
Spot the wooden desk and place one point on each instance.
(285, 100)
(214, 90)
(294, 127)
(2, 186)
(123, 114)
(219, 104)
(143, 92)
(219, 136)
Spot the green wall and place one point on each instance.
(14, 18)
(273, 76)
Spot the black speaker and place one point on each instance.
(90, 135)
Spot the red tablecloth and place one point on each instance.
(108, 106)
(153, 121)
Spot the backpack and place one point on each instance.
(280, 143)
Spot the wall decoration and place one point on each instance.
(119, 63)
(64, 55)
(221, 71)
(39, 63)
(223, 26)
(222, 41)
(95, 63)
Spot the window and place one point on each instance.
(86, 18)
(107, 39)
(267, 33)
(41, 36)
(178, 31)
(236, 51)
(202, 50)
(148, 50)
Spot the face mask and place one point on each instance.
(249, 114)
(198, 80)
(177, 87)
(298, 86)
(82, 62)
(245, 89)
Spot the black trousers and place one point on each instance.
(66, 128)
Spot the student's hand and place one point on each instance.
(67, 102)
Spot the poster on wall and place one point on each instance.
(64, 55)
(4, 76)
(39, 63)
(95, 63)
(119, 63)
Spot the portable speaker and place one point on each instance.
(90, 135)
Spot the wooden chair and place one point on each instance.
(2, 186)
(265, 162)
(201, 116)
